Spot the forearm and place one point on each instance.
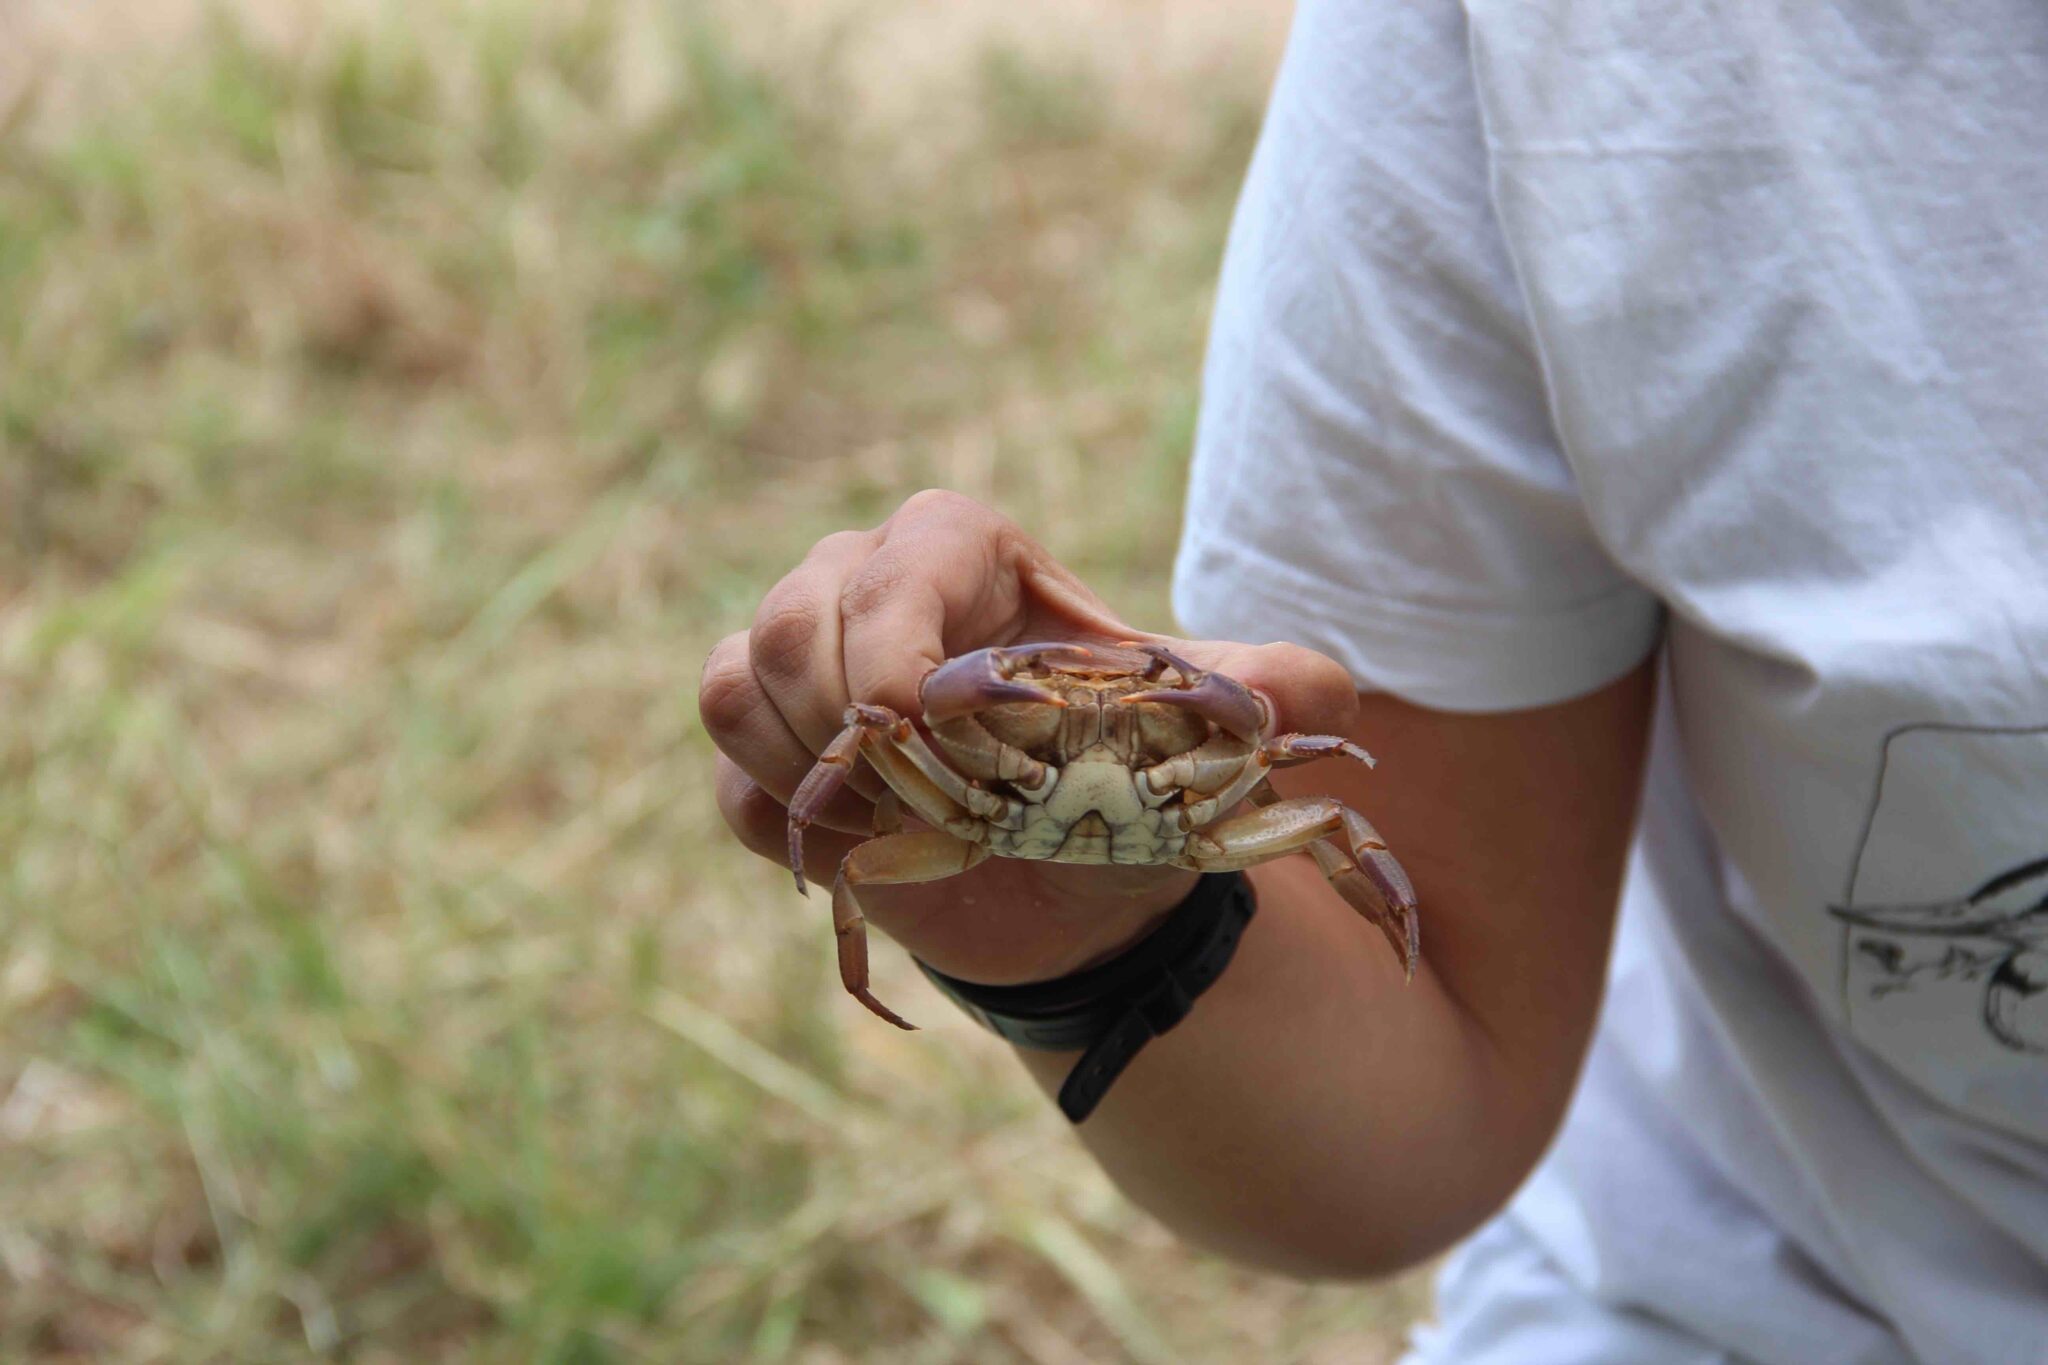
(1316, 1113)
(1319, 1114)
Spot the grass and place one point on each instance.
(395, 405)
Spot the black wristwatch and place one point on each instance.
(1113, 1009)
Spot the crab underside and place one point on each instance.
(1088, 754)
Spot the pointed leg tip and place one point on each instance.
(882, 1011)
(1403, 933)
(1189, 673)
(1400, 952)
(796, 857)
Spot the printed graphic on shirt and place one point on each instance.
(1945, 916)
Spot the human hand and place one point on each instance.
(863, 619)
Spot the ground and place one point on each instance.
(396, 402)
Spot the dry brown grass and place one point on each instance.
(395, 404)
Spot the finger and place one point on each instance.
(794, 645)
(762, 825)
(951, 576)
(1059, 606)
(945, 571)
(743, 722)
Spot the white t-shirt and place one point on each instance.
(1548, 331)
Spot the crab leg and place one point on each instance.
(921, 794)
(869, 731)
(1375, 885)
(1290, 749)
(824, 780)
(888, 812)
(1333, 863)
(1210, 767)
(1200, 812)
(1005, 811)
(984, 757)
(888, 859)
(1283, 749)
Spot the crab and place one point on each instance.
(1088, 754)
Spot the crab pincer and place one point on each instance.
(1224, 702)
(987, 677)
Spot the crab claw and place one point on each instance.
(1162, 659)
(960, 686)
(1224, 702)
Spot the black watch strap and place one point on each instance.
(1111, 1010)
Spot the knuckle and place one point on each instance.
(883, 580)
(727, 695)
(954, 519)
(784, 633)
(840, 545)
(941, 504)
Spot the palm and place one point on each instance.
(1008, 920)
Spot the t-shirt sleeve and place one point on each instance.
(1376, 474)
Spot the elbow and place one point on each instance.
(1369, 1212)
(1316, 1255)
(1378, 1232)
(1351, 1264)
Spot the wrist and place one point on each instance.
(1054, 919)
(1112, 1009)
(1121, 919)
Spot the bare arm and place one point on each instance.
(1315, 1113)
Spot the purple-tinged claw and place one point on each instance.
(962, 686)
(1163, 658)
(1224, 702)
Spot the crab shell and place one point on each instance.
(1089, 754)
(1080, 754)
